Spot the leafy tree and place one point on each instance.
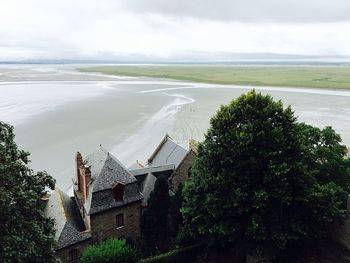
(263, 182)
(175, 216)
(25, 234)
(154, 221)
(110, 251)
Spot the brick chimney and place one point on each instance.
(87, 180)
(193, 145)
(87, 176)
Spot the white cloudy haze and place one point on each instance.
(159, 29)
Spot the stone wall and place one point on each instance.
(182, 173)
(103, 225)
(64, 254)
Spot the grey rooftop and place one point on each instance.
(106, 170)
(69, 226)
(168, 152)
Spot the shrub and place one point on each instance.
(182, 255)
(184, 238)
(110, 251)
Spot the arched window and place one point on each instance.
(73, 255)
(119, 220)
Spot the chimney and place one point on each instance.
(83, 176)
(87, 177)
(193, 145)
(79, 158)
(78, 164)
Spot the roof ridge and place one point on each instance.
(162, 142)
(59, 191)
(118, 161)
(103, 149)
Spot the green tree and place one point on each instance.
(25, 234)
(175, 216)
(155, 218)
(110, 251)
(263, 182)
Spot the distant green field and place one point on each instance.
(328, 77)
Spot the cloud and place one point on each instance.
(280, 11)
(151, 29)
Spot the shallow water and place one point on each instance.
(57, 111)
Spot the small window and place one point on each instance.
(118, 192)
(189, 172)
(120, 220)
(73, 255)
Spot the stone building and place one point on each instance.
(106, 204)
(108, 197)
(169, 160)
(71, 234)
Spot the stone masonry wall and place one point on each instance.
(63, 254)
(103, 225)
(181, 174)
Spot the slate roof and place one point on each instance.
(147, 177)
(168, 152)
(136, 165)
(104, 200)
(147, 187)
(153, 169)
(69, 226)
(106, 170)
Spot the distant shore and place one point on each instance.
(323, 77)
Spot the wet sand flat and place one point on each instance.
(78, 111)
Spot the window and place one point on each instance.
(118, 192)
(119, 220)
(73, 255)
(189, 172)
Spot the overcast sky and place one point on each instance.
(172, 29)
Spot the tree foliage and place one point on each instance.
(263, 181)
(110, 251)
(154, 221)
(25, 234)
(175, 216)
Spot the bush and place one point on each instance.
(184, 238)
(182, 255)
(110, 251)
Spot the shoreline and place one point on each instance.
(131, 116)
(224, 76)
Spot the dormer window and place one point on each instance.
(118, 191)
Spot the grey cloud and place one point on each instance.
(284, 11)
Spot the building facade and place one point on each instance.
(109, 198)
